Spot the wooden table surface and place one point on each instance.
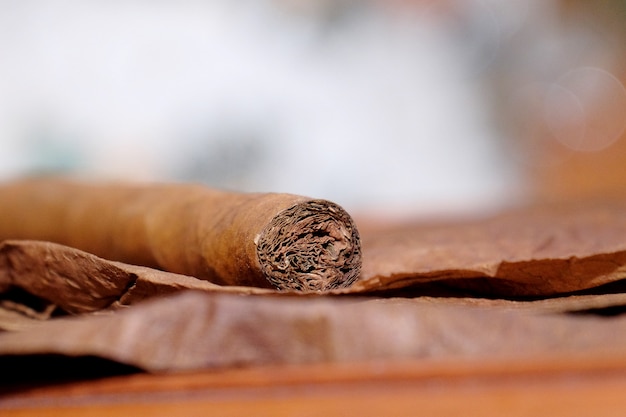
(551, 385)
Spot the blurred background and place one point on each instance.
(399, 108)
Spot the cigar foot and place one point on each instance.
(312, 246)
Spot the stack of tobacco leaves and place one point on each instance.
(524, 282)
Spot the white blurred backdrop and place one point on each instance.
(388, 106)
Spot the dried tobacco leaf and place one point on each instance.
(78, 282)
(537, 251)
(192, 330)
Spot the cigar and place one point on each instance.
(267, 240)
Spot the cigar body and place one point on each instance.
(264, 239)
